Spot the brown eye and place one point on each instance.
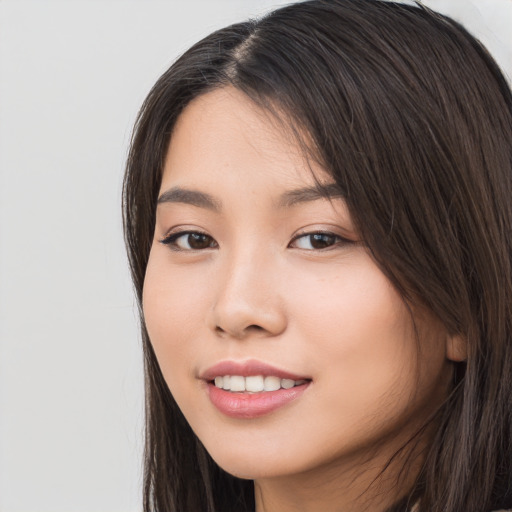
(189, 241)
(198, 241)
(318, 241)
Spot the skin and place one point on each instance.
(258, 291)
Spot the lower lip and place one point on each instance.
(252, 405)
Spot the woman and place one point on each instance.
(318, 218)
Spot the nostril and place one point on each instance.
(254, 327)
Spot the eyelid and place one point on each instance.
(341, 240)
(174, 234)
(181, 229)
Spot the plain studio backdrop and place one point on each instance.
(72, 77)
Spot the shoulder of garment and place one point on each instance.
(416, 509)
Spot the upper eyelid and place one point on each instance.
(185, 231)
(320, 232)
(166, 239)
(313, 231)
(171, 241)
(328, 233)
(178, 234)
(179, 230)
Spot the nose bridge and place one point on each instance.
(247, 298)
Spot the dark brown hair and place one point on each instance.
(413, 120)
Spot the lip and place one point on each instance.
(248, 368)
(246, 405)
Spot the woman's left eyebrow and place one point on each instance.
(307, 194)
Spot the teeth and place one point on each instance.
(237, 383)
(272, 383)
(287, 383)
(254, 383)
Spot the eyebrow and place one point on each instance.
(286, 200)
(307, 194)
(189, 196)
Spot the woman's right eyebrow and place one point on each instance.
(190, 196)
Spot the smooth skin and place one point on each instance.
(252, 269)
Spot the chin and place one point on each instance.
(253, 467)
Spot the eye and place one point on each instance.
(189, 241)
(317, 241)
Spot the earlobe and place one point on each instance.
(456, 348)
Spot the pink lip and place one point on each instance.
(250, 405)
(247, 368)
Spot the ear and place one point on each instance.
(456, 348)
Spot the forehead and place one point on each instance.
(224, 133)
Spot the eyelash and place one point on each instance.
(172, 240)
(337, 241)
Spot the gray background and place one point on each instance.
(72, 76)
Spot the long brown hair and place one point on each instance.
(413, 120)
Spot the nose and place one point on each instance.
(247, 302)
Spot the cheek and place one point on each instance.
(355, 311)
(172, 314)
(364, 338)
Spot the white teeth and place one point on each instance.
(254, 383)
(237, 383)
(272, 383)
(287, 383)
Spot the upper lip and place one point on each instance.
(248, 368)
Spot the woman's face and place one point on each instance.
(254, 275)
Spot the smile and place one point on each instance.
(251, 389)
(254, 383)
